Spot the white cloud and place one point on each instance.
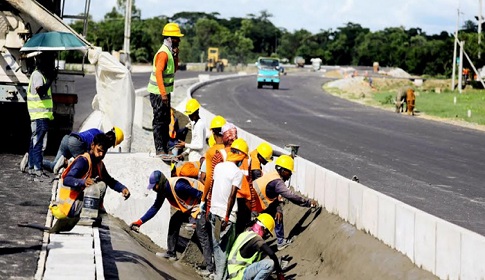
(432, 16)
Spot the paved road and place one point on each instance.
(435, 167)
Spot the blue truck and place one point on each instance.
(269, 70)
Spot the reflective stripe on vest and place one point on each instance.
(68, 195)
(260, 185)
(39, 108)
(168, 73)
(236, 263)
(189, 204)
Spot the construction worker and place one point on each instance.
(165, 64)
(40, 107)
(260, 156)
(83, 172)
(244, 261)
(270, 186)
(195, 149)
(216, 128)
(77, 143)
(176, 133)
(227, 180)
(189, 169)
(183, 194)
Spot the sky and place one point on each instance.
(432, 16)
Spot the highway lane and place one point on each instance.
(430, 165)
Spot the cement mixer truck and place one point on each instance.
(19, 21)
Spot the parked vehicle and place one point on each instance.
(214, 61)
(18, 23)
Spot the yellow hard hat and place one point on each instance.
(212, 141)
(119, 136)
(241, 145)
(56, 211)
(265, 150)
(267, 221)
(218, 122)
(192, 106)
(172, 29)
(286, 162)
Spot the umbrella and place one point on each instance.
(53, 41)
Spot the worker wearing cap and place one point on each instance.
(77, 143)
(272, 184)
(83, 172)
(197, 146)
(165, 64)
(40, 107)
(244, 261)
(223, 211)
(183, 194)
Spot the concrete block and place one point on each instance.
(331, 191)
(356, 193)
(425, 241)
(386, 225)
(309, 185)
(298, 179)
(138, 114)
(405, 229)
(448, 250)
(370, 206)
(343, 198)
(472, 256)
(320, 185)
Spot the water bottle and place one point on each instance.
(91, 202)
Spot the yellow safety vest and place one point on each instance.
(168, 73)
(67, 195)
(259, 186)
(39, 107)
(189, 204)
(235, 262)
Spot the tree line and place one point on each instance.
(242, 40)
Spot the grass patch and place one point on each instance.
(442, 104)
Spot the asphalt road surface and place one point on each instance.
(430, 165)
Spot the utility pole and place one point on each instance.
(454, 52)
(480, 21)
(126, 43)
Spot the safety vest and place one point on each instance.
(67, 195)
(189, 204)
(260, 185)
(168, 73)
(235, 262)
(39, 107)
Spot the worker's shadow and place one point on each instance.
(112, 256)
(309, 216)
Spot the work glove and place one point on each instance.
(280, 276)
(135, 226)
(202, 207)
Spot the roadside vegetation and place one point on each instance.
(433, 99)
(242, 39)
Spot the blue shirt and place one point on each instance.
(87, 136)
(80, 167)
(183, 189)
